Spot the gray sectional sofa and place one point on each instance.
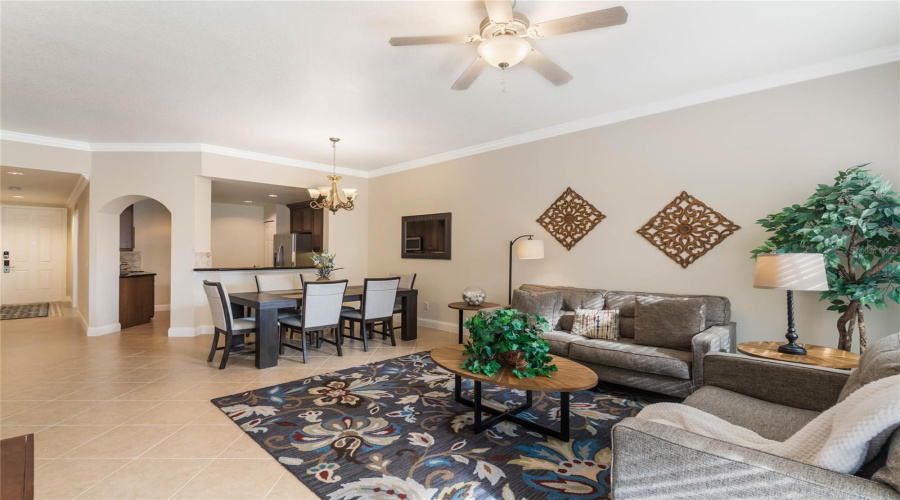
(677, 372)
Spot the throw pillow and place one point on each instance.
(881, 359)
(668, 321)
(597, 324)
(545, 304)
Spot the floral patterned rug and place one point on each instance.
(393, 430)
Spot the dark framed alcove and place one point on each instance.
(426, 236)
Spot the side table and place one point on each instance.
(463, 307)
(816, 355)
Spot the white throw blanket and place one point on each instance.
(841, 439)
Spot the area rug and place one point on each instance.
(393, 430)
(22, 311)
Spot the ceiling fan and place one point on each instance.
(503, 43)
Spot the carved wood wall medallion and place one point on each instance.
(570, 218)
(686, 229)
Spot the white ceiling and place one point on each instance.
(279, 78)
(37, 187)
(232, 191)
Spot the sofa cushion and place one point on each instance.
(573, 298)
(769, 420)
(881, 359)
(544, 304)
(624, 353)
(559, 342)
(718, 309)
(566, 321)
(889, 473)
(668, 321)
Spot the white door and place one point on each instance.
(36, 242)
(269, 243)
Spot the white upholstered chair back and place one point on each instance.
(275, 282)
(378, 297)
(322, 303)
(406, 280)
(219, 305)
(308, 278)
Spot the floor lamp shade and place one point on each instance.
(791, 271)
(530, 249)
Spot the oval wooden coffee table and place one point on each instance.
(569, 377)
(816, 355)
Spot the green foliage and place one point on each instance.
(324, 263)
(855, 223)
(507, 330)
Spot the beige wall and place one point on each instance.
(153, 238)
(83, 208)
(237, 235)
(746, 157)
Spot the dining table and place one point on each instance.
(267, 304)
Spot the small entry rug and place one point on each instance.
(22, 311)
(392, 429)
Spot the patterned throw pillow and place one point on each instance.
(597, 324)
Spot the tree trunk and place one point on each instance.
(861, 321)
(845, 326)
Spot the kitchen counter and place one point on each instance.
(201, 269)
(136, 274)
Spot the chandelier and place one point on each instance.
(329, 197)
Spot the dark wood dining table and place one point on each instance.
(266, 305)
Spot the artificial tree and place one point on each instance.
(855, 223)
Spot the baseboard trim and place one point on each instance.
(161, 307)
(81, 320)
(439, 325)
(96, 331)
(204, 330)
(182, 332)
(67, 299)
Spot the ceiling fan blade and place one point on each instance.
(499, 11)
(547, 68)
(470, 74)
(428, 40)
(581, 22)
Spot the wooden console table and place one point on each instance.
(816, 355)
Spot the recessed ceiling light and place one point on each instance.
(15, 173)
(14, 188)
(273, 196)
(248, 201)
(18, 196)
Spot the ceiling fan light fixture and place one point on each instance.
(504, 51)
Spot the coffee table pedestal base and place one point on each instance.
(510, 414)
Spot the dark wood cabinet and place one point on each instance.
(17, 468)
(126, 229)
(305, 219)
(136, 298)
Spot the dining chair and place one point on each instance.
(277, 283)
(406, 281)
(320, 311)
(377, 306)
(223, 321)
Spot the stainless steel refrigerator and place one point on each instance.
(292, 250)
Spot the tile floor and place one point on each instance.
(127, 415)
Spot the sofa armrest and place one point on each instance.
(657, 461)
(791, 384)
(719, 338)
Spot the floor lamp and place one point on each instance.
(791, 271)
(527, 249)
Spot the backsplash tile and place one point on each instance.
(132, 259)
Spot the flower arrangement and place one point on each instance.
(324, 263)
(507, 336)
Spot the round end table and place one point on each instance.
(462, 307)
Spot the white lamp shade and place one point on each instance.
(505, 50)
(313, 193)
(324, 191)
(350, 193)
(791, 271)
(530, 249)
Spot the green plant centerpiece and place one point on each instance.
(855, 223)
(507, 336)
(324, 263)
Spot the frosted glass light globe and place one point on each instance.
(504, 51)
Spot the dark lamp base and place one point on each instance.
(792, 349)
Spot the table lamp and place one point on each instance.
(791, 272)
(527, 249)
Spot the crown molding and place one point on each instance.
(875, 57)
(41, 140)
(881, 55)
(76, 191)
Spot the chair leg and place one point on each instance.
(226, 351)
(364, 334)
(319, 339)
(215, 343)
(389, 326)
(371, 329)
(340, 333)
(337, 341)
(303, 344)
(281, 330)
